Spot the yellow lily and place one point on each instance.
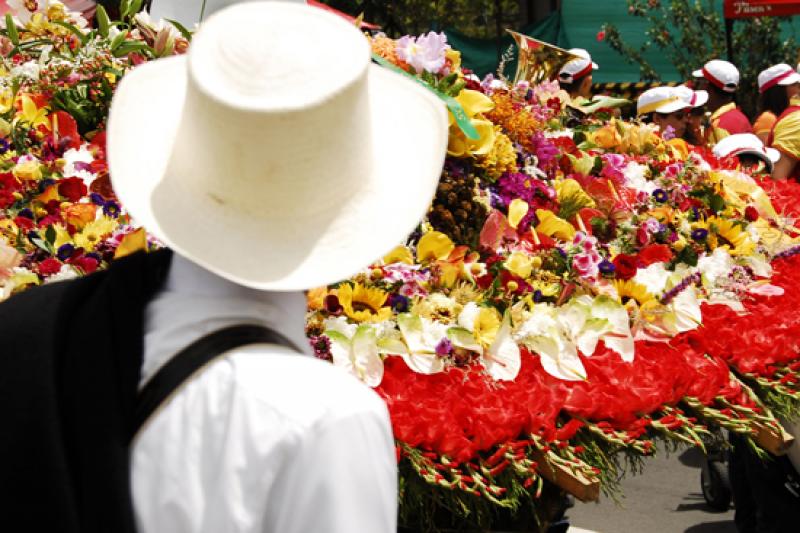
(553, 226)
(434, 246)
(31, 113)
(517, 211)
(474, 104)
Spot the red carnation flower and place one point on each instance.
(751, 213)
(48, 267)
(625, 266)
(73, 189)
(654, 253)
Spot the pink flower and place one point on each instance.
(425, 53)
(586, 264)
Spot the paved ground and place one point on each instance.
(666, 498)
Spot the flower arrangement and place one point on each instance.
(580, 287)
(59, 217)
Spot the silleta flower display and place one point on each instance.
(580, 288)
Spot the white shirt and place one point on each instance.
(264, 439)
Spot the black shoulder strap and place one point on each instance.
(194, 358)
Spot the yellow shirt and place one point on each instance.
(764, 123)
(786, 135)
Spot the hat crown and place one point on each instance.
(254, 57)
(776, 74)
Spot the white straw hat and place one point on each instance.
(690, 97)
(275, 154)
(746, 144)
(659, 100)
(189, 12)
(780, 74)
(577, 68)
(722, 74)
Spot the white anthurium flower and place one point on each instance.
(340, 325)
(685, 315)
(759, 264)
(502, 360)
(619, 338)
(358, 355)
(654, 277)
(580, 325)
(542, 333)
(715, 266)
(421, 336)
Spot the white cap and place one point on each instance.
(578, 67)
(660, 100)
(746, 144)
(780, 74)
(692, 98)
(720, 73)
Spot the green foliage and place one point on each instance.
(691, 32)
(476, 18)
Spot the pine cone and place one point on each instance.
(455, 211)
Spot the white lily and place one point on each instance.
(542, 333)
(418, 348)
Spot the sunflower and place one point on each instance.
(363, 304)
(732, 235)
(628, 290)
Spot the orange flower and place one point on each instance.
(79, 215)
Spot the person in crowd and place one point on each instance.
(696, 101)
(749, 150)
(778, 85)
(666, 108)
(575, 76)
(721, 80)
(175, 391)
(785, 133)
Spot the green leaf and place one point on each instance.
(50, 234)
(716, 203)
(77, 32)
(11, 29)
(117, 41)
(128, 47)
(103, 23)
(181, 28)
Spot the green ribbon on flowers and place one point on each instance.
(452, 104)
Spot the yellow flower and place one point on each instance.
(487, 324)
(501, 158)
(131, 243)
(94, 232)
(434, 246)
(607, 137)
(363, 304)
(315, 298)
(6, 99)
(519, 264)
(31, 114)
(630, 290)
(455, 59)
(28, 169)
(552, 226)
(474, 104)
(400, 254)
(732, 235)
(517, 210)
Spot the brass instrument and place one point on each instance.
(538, 61)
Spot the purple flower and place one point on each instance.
(111, 208)
(668, 134)
(65, 251)
(444, 347)
(398, 303)
(425, 53)
(699, 234)
(4, 146)
(606, 267)
(544, 150)
(660, 195)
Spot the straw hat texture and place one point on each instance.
(275, 154)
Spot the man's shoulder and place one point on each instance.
(303, 387)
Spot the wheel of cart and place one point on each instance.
(715, 481)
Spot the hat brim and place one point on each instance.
(594, 66)
(701, 98)
(791, 79)
(698, 73)
(320, 244)
(671, 107)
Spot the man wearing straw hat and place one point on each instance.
(169, 391)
